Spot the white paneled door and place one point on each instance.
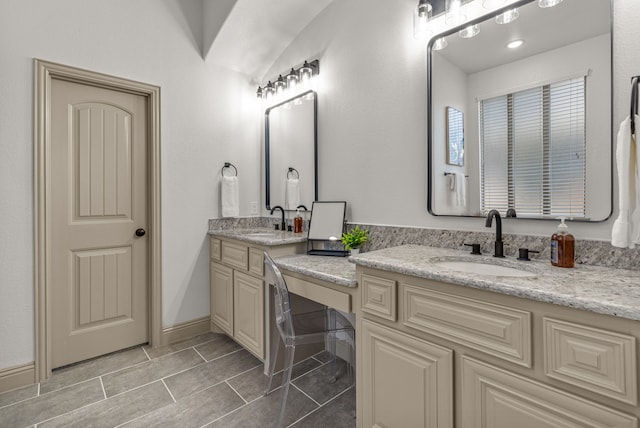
(98, 193)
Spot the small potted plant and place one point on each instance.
(354, 239)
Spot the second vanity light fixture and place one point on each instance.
(291, 82)
(455, 14)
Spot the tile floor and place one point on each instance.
(207, 381)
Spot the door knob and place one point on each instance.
(140, 232)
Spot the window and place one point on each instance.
(533, 149)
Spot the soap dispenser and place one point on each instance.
(297, 222)
(562, 246)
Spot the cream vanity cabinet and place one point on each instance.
(238, 290)
(440, 355)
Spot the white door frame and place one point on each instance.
(44, 72)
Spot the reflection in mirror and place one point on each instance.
(291, 152)
(536, 118)
(326, 226)
(455, 137)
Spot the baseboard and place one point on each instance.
(16, 377)
(185, 330)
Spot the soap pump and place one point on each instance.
(297, 222)
(562, 246)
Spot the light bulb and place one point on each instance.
(439, 44)
(453, 13)
(508, 16)
(469, 32)
(421, 16)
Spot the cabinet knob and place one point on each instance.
(140, 232)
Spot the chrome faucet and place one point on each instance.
(499, 249)
(283, 224)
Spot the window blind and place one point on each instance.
(533, 150)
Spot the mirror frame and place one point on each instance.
(430, 142)
(267, 142)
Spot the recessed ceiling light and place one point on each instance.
(515, 44)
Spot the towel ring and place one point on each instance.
(228, 165)
(291, 171)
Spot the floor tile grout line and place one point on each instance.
(201, 356)
(102, 386)
(234, 390)
(169, 391)
(304, 393)
(99, 401)
(146, 353)
(177, 350)
(320, 406)
(217, 383)
(226, 355)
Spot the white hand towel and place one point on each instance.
(626, 229)
(292, 194)
(230, 195)
(461, 189)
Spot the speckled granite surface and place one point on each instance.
(598, 289)
(337, 270)
(596, 253)
(260, 236)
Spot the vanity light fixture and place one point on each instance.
(421, 16)
(549, 3)
(453, 14)
(289, 82)
(469, 32)
(439, 44)
(515, 44)
(508, 16)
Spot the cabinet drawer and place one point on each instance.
(256, 261)
(214, 248)
(497, 330)
(235, 255)
(598, 360)
(494, 397)
(379, 297)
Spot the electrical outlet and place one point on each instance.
(254, 208)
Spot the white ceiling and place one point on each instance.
(256, 32)
(542, 29)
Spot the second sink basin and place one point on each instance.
(484, 269)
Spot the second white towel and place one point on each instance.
(292, 194)
(460, 189)
(230, 197)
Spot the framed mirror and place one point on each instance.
(326, 228)
(291, 152)
(536, 119)
(455, 137)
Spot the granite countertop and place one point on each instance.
(260, 236)
(336, 270)
(602, 290)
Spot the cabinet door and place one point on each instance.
(248, 322)
(493, 397)
(221, 278)
(406, 382)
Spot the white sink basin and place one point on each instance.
(485, 269)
